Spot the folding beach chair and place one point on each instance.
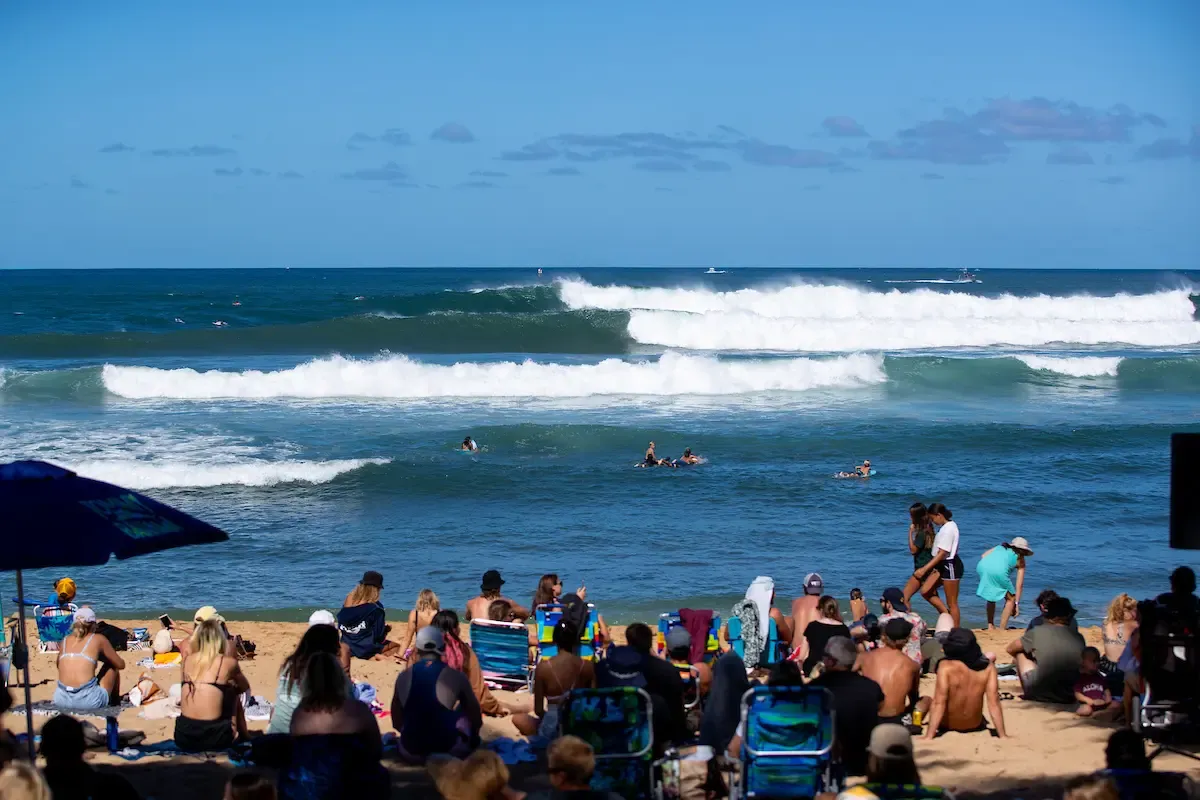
(786, 750)
(618, 724)
(774, 651)
(54, 623)
(547, 616)
(712, 648)
(503, 651)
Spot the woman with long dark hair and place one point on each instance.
(289, 692)
(459, 656)
(920, 544)
(549, 589)
(945, 564)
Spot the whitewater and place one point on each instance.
(842, 318)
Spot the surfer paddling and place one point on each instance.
(861, 471)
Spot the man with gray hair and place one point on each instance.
(856, 702)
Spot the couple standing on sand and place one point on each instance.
(935, 558)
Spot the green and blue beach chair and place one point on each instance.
(618, 724)
(773, 652)
(547, 616)
(788, 743)
(503, 651)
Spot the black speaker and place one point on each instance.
(1185, 491)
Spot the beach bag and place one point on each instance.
(117, 637)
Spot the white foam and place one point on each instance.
(149, 475)
(1075, 367)
(842, 318)
(403, 378)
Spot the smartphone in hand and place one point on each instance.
(166, 622)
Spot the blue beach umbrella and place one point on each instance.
(51, 517)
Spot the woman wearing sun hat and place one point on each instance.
(995, 579)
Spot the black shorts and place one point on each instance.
(951, 570)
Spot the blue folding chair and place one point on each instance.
(503, 651)
(54, 623)
(618, 724)
(547, 616)
(788, 742)
(773, 652)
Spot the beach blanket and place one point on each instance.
(512, 751)
(752, 640)
(167, 749)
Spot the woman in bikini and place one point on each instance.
(920, 544)
(209, 704)
(422, 615)
(552, 680)
(1119, 624)
(80, 655)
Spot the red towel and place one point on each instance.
(697, 623)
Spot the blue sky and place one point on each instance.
(1052, 134)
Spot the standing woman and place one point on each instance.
(920, 544)
(945, 562)
(995, 581)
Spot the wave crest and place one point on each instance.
(144, 475)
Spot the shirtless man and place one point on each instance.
(689, 457)
(804, 608)
(865, 470)
(895, 673)
(489, 592)
(964, 677)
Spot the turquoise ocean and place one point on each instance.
(315, 415)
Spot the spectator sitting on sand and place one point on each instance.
(335, 745)
(804, 610)
(1043, 599)
(931, 648)
(679, 653)
(965, 677)
(421, 616)
(319, 638)
(489, 592)
(362, 622)
(1091, 690)
(69, 777)
(203, 613)
(897, 675)
(662, 679)
(570, 764)
(549, 589)
(480, 776)
(891, 770)
(250, 786)
(856, 702)
(858, 606)
(89, 669)
(893, 606)
(461, 657)
(1048, 656)
(211, 682)
(1120, 621)
(433, 706)
(553, 678)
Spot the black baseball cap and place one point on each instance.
(491, 580)
(372, 578)
(896, 598)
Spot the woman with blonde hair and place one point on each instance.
(421, 616)
(1120, 622)
(80, 654)
(362, 622)
(20, 780)
(209, 704)
(480, 776)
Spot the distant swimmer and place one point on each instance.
(469, 445)
(862, 471)
(689, 457)
(220, 323)
(177, 319)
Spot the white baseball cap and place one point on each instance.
(322, 617)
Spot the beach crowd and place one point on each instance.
(870, 660)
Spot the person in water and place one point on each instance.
(864, 470)
(469, 445)
(689, 457)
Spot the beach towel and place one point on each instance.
(697, 624)
(762, 591)
(46, 708)
(753, 640)
(512, 751)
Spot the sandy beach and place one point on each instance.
(1047, 745)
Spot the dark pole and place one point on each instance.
(25, 644)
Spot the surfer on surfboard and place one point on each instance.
(862, 471)
(469, 445)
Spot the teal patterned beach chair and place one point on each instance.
(618, 724)
(503, 651)
(54, 624)
(786, 751)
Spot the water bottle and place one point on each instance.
(112, 730)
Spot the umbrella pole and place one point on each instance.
(25, 644)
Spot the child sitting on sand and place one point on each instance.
(1091, 689)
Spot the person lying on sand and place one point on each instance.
(489, 592)
(897, 674)
(965, 677)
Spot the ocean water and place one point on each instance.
(318, 423)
